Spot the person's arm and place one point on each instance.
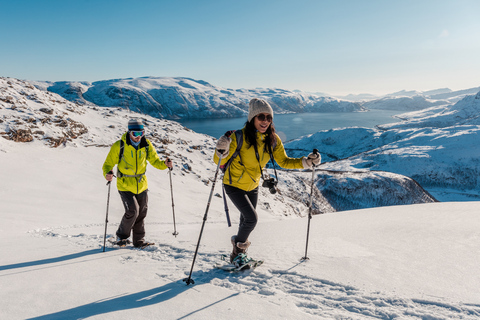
(154, 159)
(111, 161)
(283, 160)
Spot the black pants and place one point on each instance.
(248, 216)
(136, 206)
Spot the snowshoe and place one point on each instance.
(240, 263)
(143, 245)
(120, 242)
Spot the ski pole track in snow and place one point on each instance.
(318, 297)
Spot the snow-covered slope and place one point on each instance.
(438, 147)
(176, 98)
(397, 262)
(464, 112)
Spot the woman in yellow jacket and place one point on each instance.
(131, 180)
(243, 174)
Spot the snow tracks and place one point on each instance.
(276, 286)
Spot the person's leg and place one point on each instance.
(139, 226)
(131, 212)
(248, 217)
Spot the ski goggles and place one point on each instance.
(137, 134)
(263, 117)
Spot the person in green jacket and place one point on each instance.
(244, 173)
(131, 180)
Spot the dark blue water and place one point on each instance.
(292, 126)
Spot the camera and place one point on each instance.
(270, 184)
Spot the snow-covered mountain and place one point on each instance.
(178, 98)
(438, 147)
(417, 102)
(35, 116)
(410, 100)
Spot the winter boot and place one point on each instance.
(122, 242)
(143, 244)
(238, 248)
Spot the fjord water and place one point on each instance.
(294, 125)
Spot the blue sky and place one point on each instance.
(336, 46)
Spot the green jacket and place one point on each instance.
(245, 168)
(131, 168)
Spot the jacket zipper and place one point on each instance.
(136, 167)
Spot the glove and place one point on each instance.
(223, 143)
(169, 163)
(313, 159)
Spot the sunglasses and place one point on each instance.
(137, 134)
(263, 117)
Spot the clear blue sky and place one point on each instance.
(336, 46)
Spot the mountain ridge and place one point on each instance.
(182, 98)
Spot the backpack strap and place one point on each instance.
(239, 138)
(120, 155)
(122, 147)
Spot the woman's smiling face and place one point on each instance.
(262, 125)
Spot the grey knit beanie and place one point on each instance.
(135, 124)
(257, 106)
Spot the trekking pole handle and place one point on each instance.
(315, 151)
(110, 172)
(168, 160)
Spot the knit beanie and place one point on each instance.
(257, 106)
(135, 125)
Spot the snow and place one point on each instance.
(414, 261)
(411, 262)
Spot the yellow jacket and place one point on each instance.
(131, 168)
(245, 168)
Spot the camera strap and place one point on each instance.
(270, 152)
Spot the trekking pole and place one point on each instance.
(225, 205)
(106, 217)
(173, 205)
(189, 279)
(315, 151)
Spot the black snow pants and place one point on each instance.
(136, 206)
(248, 216)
